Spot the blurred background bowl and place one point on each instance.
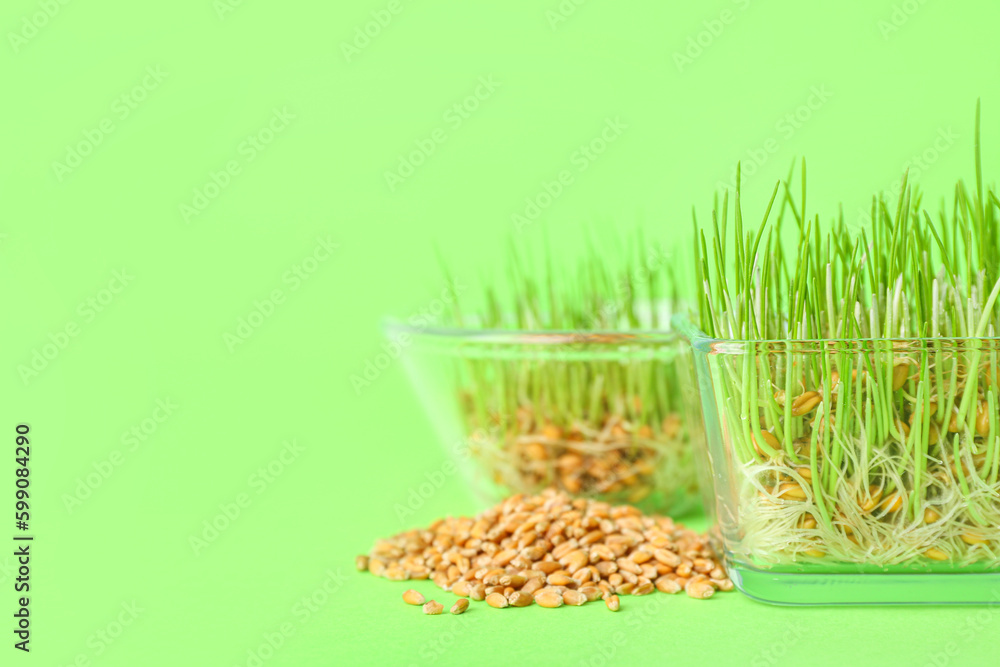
(595, 414)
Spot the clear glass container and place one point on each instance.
(596, 414)
(854, 471)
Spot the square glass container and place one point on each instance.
(854, 471)
(595, 414)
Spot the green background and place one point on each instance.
(892, 77)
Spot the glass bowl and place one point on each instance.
(595, 414)
(854, 471)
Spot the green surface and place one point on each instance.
(263, 100)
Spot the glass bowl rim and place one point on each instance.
(702, 342)
(393, 327)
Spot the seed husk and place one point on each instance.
(376, 566)
(667, 557)
(892, 503)
(492, 577)
(433, 608)
(983, 420)
(460, 606)
(973, 538)
(699, 589)
(606, 567)
(628, 565)
(612, 602)
(953, 423)
(549, 599)
(643, 589)
(361, 562)
(769, 439)
(703, 565)
(805, 403)
(791, 491)
(532, 585)
(536, 451)
(559, 579)
(640, 557)
(552, 432)
(497, 600)
(513, 580)
(900, 373)
(576, 560)
(563, 550)
(872, 501)
(413, 597)
(723, 584)
(669, 584)
(936, 554)
(547, 567)
(520, 599)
